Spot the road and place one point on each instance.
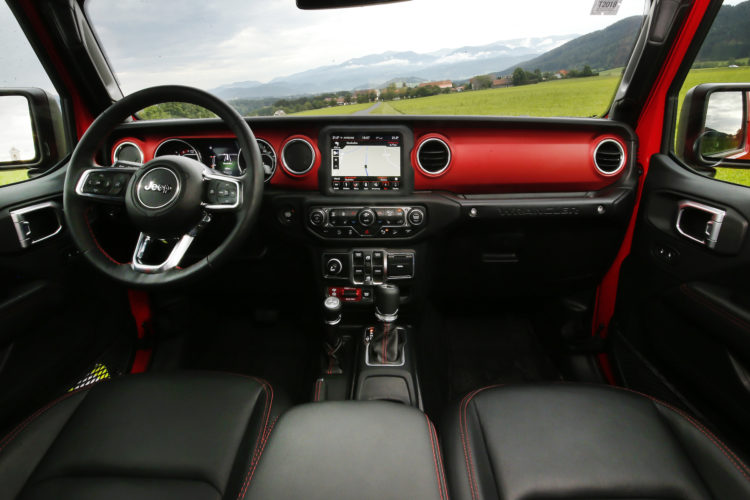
(368, 110)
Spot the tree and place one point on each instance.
(587, 71)
(519, 77)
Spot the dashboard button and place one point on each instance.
(334, 266)
(317, 217)
(416, 217)
(366, 217)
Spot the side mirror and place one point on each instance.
(713, 127)
(32, 133)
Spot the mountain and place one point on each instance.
(603, 49)
(374, 70)
(729, 36)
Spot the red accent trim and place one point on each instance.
(141, 311)
(650, 130)
(482, 160)
(312, 174)
(516, 161)
(82, 115)
(276, 138)
(415, 161)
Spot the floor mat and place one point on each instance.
(491, 350)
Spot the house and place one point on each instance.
(443, 84)
(279, 112)
(502, 82)
(561, 74)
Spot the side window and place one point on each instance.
(31, 134)
(712, 117)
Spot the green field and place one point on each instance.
(334, 110)
(11, 176)
(573, 97)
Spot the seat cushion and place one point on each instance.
(567, 441)
(187, 436)
(350, 450)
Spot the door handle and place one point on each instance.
(698, 222)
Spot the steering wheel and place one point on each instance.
(169, 199)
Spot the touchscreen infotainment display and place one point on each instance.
(366, 161)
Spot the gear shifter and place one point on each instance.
(386, 340)
(333, 341)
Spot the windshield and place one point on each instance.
(484, 57)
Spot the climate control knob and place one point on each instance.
(317, 217)
(416, 217)
(366, 217)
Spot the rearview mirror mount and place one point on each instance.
(338, 4)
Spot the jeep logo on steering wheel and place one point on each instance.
(158, 188)
(152, 186)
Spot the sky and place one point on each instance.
(207, 43)
(17, 133)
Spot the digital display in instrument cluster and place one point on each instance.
(224, 159)
(366, 161)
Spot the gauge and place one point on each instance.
(267, 156)
(177, 147)
(127, 151)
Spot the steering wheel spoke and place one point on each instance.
(146, 245)
(105, 184)
(221, 192)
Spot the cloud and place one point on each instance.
(207, 44)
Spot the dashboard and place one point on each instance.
(521, 202)
(346, 156)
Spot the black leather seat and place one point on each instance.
(350, 450)
(186, 436)
(566, 441)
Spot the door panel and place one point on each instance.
(56, 315)
(685, 304)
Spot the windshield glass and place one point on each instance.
(484, 57)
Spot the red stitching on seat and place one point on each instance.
(464, 430)
(254, 463)
(440, 462)
(434, 458)
(268, 389)
(736, 461)
(20, 427)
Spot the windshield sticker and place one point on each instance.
(605, 7)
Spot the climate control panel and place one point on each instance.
(367, 222)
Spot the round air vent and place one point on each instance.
(127, 151)
(298, 156)
(609, 157)
(433, 156)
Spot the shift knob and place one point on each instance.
(387, 300)
(332, 310)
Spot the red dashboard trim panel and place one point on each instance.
(483, 160)
(521, 161)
